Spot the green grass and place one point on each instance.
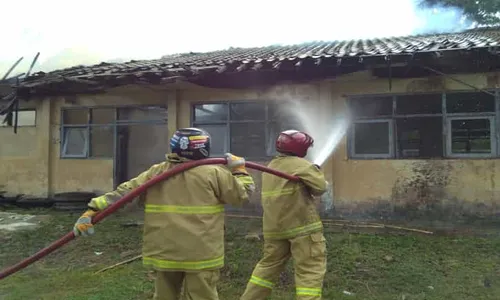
(371, 266)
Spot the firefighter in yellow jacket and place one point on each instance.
(292, 226)
(184, 217)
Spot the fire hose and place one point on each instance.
(128, 198)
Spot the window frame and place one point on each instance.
(352, 144)
(493, 116)
(267, 120)
(114, 125)
(493, 140)
(24, 126)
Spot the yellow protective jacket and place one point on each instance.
(184, 215)
(289, 207)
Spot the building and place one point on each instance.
(423, 139)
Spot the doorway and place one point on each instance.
(141, 140)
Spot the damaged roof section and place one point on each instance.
(292, 59)
(9, 93)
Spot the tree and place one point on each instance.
(483, 12)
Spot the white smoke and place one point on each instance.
(65, 43)
(440, 19)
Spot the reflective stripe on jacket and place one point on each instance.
(184, 215)
(289, 207)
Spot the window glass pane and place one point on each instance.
(371, 107)
(248, 139)
(76, 116)
(248, 111)
(75, 141)
(419, 104)
(103, 115)
(469, 102)
(210, 113)
(218, 134)
(101, 141)
(470, 136)
(25, 118)
(284, 112)
(145, 113)
(420, 137)
(371, 138)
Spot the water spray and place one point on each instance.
(326, 137)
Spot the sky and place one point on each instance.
(69, 33)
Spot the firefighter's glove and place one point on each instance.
(83, 225)
(236, 164)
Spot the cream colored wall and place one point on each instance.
(30, 161)
(367, 186)
(97, 174)
(24, 156)
(359, 185)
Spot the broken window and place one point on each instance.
(419, 126)
(90, 132)
(210, 113)
(25, 117)
(101, 141)
(249, 139)
(419, 104)
(372, 106)
(417, 123)
(372, 138)
(75, 116)
(419, 137)
(469, 102)
(245, 128)
(219, 138)
(142, 114)
(103, 115)
(248, 111)
(471, 136)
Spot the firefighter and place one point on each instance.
(184, 217)
(291, 224)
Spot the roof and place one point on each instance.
(270, 57)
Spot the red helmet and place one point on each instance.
(294, 142)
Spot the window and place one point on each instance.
(471, 136)
(245, 128)
(90, 132)
(25, 117)
(373, 138)
(458, 124)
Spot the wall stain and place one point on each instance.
(423, 191)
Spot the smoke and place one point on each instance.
(440, 19)
(64, 43)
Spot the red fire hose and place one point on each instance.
(129, 197)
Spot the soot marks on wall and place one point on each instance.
(421, 194)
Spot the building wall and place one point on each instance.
(365, 187)
(381, 187)
(24, 156)
(31, 162)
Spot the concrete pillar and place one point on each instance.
(45, 143)
(172, 112)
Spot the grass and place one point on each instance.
(370, 266)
